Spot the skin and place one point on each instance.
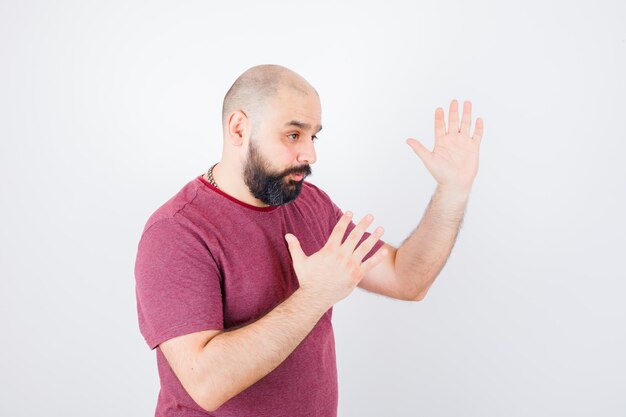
(453, 163)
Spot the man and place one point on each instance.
(236, 274)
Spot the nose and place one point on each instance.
(306, 154)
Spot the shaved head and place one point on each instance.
(255, 88)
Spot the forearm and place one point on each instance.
(424, 253)
(236, 359)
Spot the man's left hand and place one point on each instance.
(454, 160)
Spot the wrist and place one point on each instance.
(312, 300)
(453, 193)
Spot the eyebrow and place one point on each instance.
(302, 125)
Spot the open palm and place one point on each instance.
(454, 160)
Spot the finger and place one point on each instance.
(355, 235)
(421, 151)
(453, 122)
(367, 245)
(478, 130)
(466, 121)
(294, 248)
(374, 260)
(339, 230)
(440, 123)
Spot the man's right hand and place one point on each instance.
(333, 272)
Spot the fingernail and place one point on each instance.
(349, 214)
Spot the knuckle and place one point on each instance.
(339, 257)
(356, 275)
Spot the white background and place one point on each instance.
(108, 108)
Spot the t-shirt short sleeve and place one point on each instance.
(335, 215)
(177, 283)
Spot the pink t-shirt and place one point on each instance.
(208, 261)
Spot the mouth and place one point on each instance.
(297, 177)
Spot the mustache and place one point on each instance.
(304, 170)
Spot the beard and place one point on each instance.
(274, 189)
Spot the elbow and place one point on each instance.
(206, 394)
(422, 291)
(209, 403)
(209, 407)
(414, 288)
(421, 294)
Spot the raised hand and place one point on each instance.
(331, 273)
(453, 161)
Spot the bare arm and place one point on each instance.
(453, 163)
(423, 254)
(220, 368)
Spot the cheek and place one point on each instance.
(283, 156)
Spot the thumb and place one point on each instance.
(419, 149)
(294, 247)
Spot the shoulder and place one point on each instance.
(170, 216)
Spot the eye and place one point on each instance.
(313, 138)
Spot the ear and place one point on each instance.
(237, 127)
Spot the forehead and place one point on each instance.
(289, 105)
